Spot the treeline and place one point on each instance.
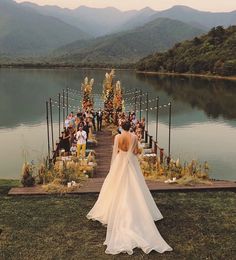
(39, 65)
(213, 53)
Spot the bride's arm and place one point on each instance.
(136, 150)
(115, 148)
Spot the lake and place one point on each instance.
(203, 115)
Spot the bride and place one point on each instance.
(125, 203)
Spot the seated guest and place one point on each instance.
(66, 140)
(73, 149)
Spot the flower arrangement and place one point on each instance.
(174, 172)
(108, 95)
(28, 178)
(118, 100)
(55, 178)
(87, 87)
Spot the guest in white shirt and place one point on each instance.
(81, 137)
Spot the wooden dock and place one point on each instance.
(103, 154)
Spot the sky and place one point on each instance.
(203, 5)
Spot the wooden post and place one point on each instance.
(169, 128)
(63, 106)
(155, 148)
(140, 105)
(50, 103)
(59, 115)
(146, 136)
(161, 155)
(67, 102)
(48, 130)
(150, 141)
(147, 107)
(157, 118)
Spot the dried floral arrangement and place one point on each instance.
(108, 96)
(187, 174)
(87, 87)
(56, 177)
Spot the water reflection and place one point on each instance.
(216, 97)
(203, 122)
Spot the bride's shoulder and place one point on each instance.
(117, 136)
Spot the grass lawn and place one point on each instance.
(198, 225)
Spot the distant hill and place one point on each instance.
(200, 19)
(95, 21)
(213, 53)
(25, 32)
(138, 19)
(129, 46)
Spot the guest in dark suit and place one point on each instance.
(93, 119)
(99, 116)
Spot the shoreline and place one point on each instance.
(109, 67)
(61, 66)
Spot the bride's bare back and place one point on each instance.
(125, 141)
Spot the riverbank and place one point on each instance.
(197, 225)
(186, 75)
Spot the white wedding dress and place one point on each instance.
(126, 206)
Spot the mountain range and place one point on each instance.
(128, 46)
(26, 32)
(102, 21)
(93, 34)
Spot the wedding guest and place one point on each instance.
(142, 125)
(67, 122)
(81, 138)
(77, 122)
(134, 119)
(79, 113)
(138, 132)
(73, 149)
(90, 125)
(86, 127)
(66, 140)
(72, 132)
(93, 119)
(99, 116)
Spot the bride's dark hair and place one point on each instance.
(126, 125)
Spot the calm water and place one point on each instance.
(203, 122)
